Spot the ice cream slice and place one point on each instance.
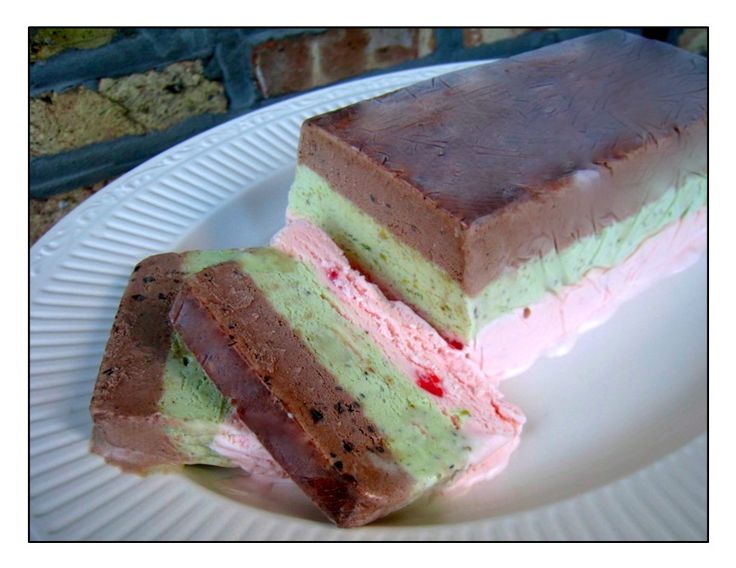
(384, 407)
(153, 407)
(363, 424)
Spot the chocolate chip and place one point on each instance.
(333, 455)
(185, 360)
(373, 198)
(267, 379)
(340, 408)
(137, 268)
(316, 415)
(107, 372)
(138, 297)
(347, 446)
(527, 313)
(349, 478)
(338, 465)
(380, 449)
(161, 296)
(148, 279)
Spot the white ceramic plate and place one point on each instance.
(615, 445)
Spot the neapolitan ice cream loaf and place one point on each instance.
(511, 205)
(485, 197)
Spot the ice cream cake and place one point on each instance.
(439, 238)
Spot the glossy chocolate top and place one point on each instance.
(481, 138)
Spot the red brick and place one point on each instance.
(340, 54)
(298, 63)
(283, 65)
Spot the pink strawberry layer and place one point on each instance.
(490, 424)
(236, 442)
(455, 382)
(512, 343)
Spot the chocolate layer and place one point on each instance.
(124, 406)
(488, 167)
(298, 411)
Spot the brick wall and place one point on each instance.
(103, 100)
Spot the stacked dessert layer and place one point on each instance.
(458, 386)
(153, 407)
(477, 193)
(356, 398)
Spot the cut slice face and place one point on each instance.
(362, 431)
(454, 378)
